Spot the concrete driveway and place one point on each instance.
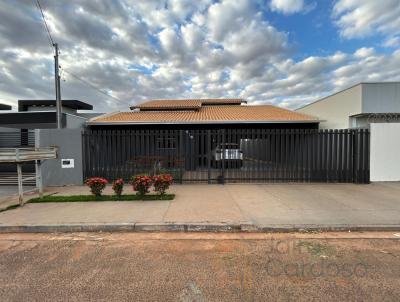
(259, 205)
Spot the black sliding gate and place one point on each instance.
(230, 155)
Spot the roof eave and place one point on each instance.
(72, 104)
(5, 107)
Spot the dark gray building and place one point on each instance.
(17, 127)
(41, 114)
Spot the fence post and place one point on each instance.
(367, 155)
(223, 157)
(20, 185)
(354, 135)
(209, 156)
(39, 180)
(180, 156)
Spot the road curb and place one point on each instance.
(328, 228)
(195, 227)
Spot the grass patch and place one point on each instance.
(83, 198)
(11, 207)
(86, 198)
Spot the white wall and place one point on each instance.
(385, 152)
(75, 121)
(336, 109)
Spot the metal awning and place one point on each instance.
(19, 156)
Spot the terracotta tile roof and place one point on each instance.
(185, 104)
(208, 114)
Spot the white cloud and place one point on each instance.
(256, 40)
(371, 67)
(139, 50)
(227, 17)
(289, 7)
(193, 36)
(392, 42)
(361, 18)
(364, 52)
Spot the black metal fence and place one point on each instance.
(230, 155)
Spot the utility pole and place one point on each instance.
(58, 87)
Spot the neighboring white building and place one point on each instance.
(367, 105)
(358, 106)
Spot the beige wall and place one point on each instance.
(336, 109)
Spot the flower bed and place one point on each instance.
(141, 185)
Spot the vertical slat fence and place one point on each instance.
(230, 155)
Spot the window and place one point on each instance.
(166, 143)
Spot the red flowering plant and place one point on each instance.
(118, 186)
(141, 184)
(96, 185)
(162, 182)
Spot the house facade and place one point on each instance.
(219, 140)
(205, 140)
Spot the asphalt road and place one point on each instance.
(199, 267)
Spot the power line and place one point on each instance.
(45, 24)
(92, 86)
(56, 69)
(70, 73)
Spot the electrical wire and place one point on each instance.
(45, 24)
(70, 73)
(92, 86)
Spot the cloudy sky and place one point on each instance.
(283, 52)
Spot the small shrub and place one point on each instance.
(118, 187)
(96, 185)
(162, 182)
(141, 184)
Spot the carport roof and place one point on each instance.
(5, 107)
(72, 104)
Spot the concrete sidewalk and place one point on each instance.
(9, 195)
(246, 207)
